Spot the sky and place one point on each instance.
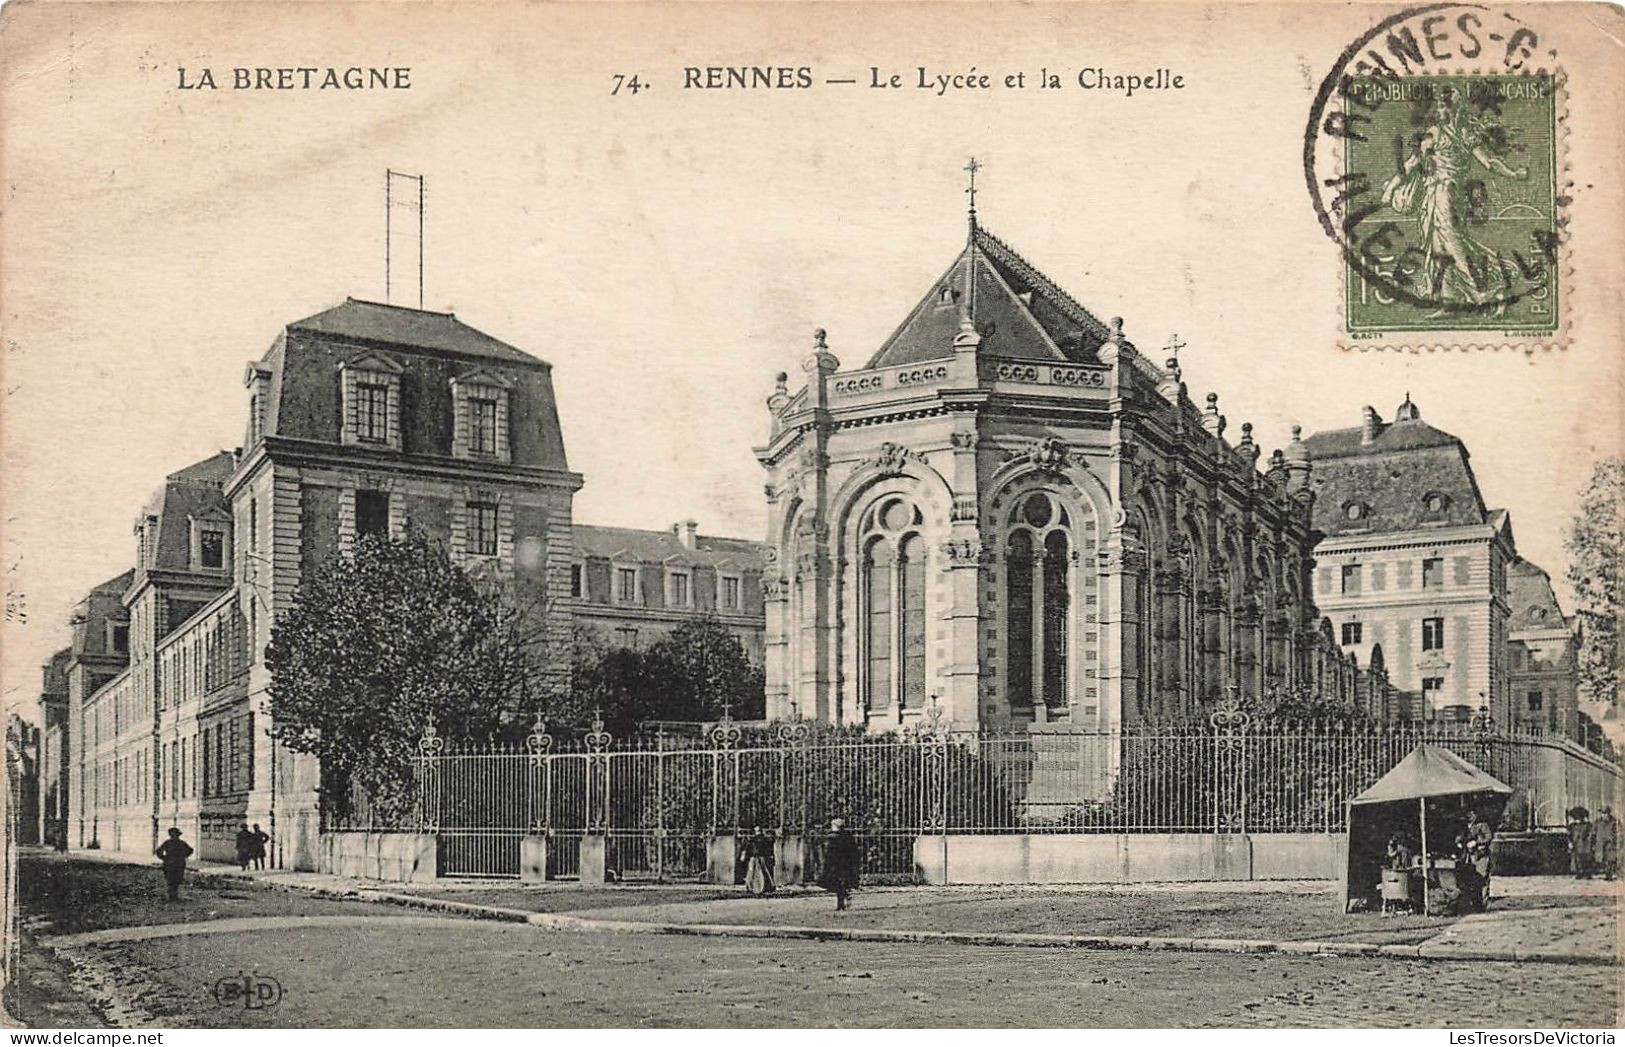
(669, 251)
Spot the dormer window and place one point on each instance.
(1354, 512)
(209, 540)
(372, 401)
(1435, 503)
(480, 416)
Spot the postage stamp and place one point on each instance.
(1444, 187)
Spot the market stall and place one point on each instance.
(1405, 831)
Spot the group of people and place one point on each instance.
(1471, 854)
(251, 846)
(173, 852)
(1593, 843)
(838, 870)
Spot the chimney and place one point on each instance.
(687, 532)
(1370, 424)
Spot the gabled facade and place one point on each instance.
(1011, 512)
(1413, 561)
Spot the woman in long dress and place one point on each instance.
(759, 863)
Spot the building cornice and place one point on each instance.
(283, 450)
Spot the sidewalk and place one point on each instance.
(1531, 919)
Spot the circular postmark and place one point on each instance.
(1431, 156)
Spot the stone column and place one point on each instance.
(962, 560)
(1173, 590)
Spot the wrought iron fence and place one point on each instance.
(658, 800)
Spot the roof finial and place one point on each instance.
(972, 168)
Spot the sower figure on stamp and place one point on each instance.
(1433, 182)
(840, 872)
(173, 852)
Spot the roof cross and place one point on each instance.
(972, 168)
(1174, 346)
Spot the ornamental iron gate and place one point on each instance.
(657, 801)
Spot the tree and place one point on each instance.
(382, 643)
(1596, 547)
(694, 673)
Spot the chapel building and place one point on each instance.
(1008, 513)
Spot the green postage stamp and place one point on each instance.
(1456, 236)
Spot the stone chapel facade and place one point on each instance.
(1013, 514)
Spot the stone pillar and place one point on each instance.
(815, 563)
(1246, 672)
(1173, 590)
(1120, 564)
(533, 859)
(789, 859)
(722, 859)
(594, 859)
(963, 560)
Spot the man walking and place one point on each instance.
(173, 852)
(840, 872)
(1476, 852)
(1605, 842)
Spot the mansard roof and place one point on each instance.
(640, 546)
(410, 328)
(432, 352)
(1531, 601)
(190, 493)
(1019, 312)
(1387, 477)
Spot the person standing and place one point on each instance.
(1605, 842)
(257, 851)
(840, 871)
(759, 863)
(1580, 840)
(245, 846)
(173, 852)
(1476, 852)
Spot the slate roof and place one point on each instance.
(1391, 477)
(1530, 598)
(195, 491)
(1019, 312)
(415, 328)
(640, 546)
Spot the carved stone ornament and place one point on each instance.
(962, 551)
(892, 459)
(965, 441)
(964, 510)
(1046, 455)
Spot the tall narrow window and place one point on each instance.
(1056, 596)
(1039, 598)
(482, 425)
(878, 630)
(212, 549)
(1351, 578)
(372, 412)
(911, 619)
(1433, 572)
(1432, 634)
(482, 528)
(372, 513)
(1019, 608)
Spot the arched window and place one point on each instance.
(893, 606)
(1038, 601)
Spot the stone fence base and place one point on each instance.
(1129, 857)
(402, 857)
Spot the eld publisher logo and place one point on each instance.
(252, 992)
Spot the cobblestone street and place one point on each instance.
(343, 963)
